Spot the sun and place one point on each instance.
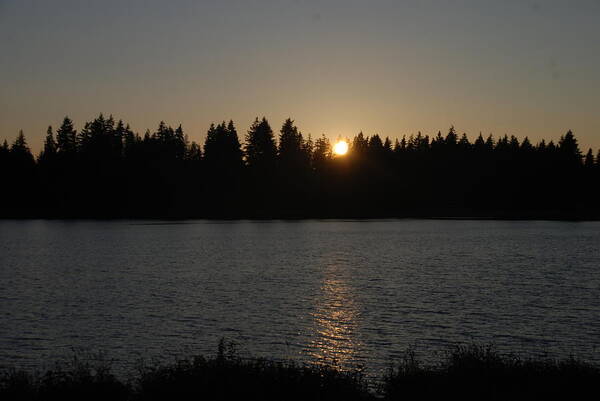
(340, 148)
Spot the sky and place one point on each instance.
(523, 68)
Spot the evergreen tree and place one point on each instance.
(387, 145)
(20, 152)
(569, 149)
(212, 146)
(360, 145)
(401, 145)
(233, 145)
(66, 138)
(222, 150)
(321, 153)
(438, 142)
(129, 142)
(375, 146)
(307, 150)
(261, 151)
(4, 159)
(479, 144)
(464, 143)
(48, 154)
(541, 146)
(4, 150)
(194, 152)
(180, 143)
(20, 180)
(451, 139)
(118, 139)
(290, 146)
(490, 144)
(589, 159)
(526, 146)
(513, 144)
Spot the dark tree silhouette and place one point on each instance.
(107, 170)
(19, 178)
(321, 155)
(261, 150)
(261, 159)
(292, 157)
(223, 162)
(589, 159)
(294, 168)
(48, 154)
(66, 137)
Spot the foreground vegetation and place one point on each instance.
(105, 170)
(467, 373)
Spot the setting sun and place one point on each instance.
(340, 148)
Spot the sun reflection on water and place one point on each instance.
(336, 322)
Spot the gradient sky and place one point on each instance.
(337, 67)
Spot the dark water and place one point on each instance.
(345, 292)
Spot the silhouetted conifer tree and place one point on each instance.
(589, 159)
(129, 142)
(360, 146)
(479, 144)
(291, 153)
(569, 149)
(375, 146)
(261, 159)
(48, 154)
(5, 198)
(261, 150)
(223, 163)
(234, 147)
(21, 178)
(387, 145)
(294, 168)
(490, 144)
(451, 139)
(438, 142)
(514, 144)
(4, 153)
(66, 138)
(321, 154)
(194, 152)
(464, 143)
(526, 146)
(20, 152)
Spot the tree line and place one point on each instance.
(105, 170)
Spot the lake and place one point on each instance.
(351, 293)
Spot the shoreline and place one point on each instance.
(565, 218)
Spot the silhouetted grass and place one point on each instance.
(224, 377)
(77, 380)
(466, 373)
(482, 373)
(230, 377)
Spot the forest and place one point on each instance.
(105, 170)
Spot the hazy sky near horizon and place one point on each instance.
(528, 68)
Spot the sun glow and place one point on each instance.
(340, 148)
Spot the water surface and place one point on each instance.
(344, 292)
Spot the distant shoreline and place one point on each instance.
(566, 218)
